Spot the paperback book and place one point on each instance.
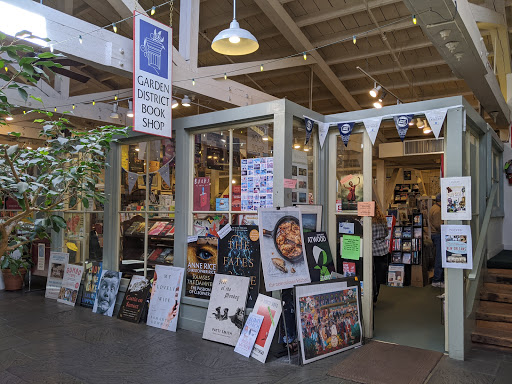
(134, 300)
(270, 309)
(106, 294)
(396, 276)
(91, 280)
(201, 267)
(318, 253)
(70, 284)
(248, 336)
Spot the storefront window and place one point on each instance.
(303, 166)
(233, 176)
(349, 174)
(147, 205)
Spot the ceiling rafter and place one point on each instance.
(281, 19)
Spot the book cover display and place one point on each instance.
(70, 284)
(456, 246)
(201, 267)
(282, 248)
(134, 299)
(350, 191)
(201, 194)
(106, 294)
(318, 252)
(248, 336)
(270, 309)
(456, 198)
(257, 183)
(239, 255)
(91, 280)
(396, 275)
(165, 299)
(226, 309)
(328, 320)
(56, 269)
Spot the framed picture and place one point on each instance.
(456, 198)
(311, 217)
(328, 318)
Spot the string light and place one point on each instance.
(73, 106)
(414, 21)
(6, 69)
(80, 39)
(304, 55)
(93, 102)
(225, 76)
(153, 10)
(261, 67)
(193, 81)
(55, 109)
(115, 97)
(354, 39)
(51, 48)
(114, 27)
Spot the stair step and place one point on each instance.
(493, 311)
(500, 276)
(492, 336)
(502, 297)
(496, 271)
(495, 287)
(494, 325)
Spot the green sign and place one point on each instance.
(351, 248)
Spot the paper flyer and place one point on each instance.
(456, 198)
(56, 269)
(456, 246)
(70, 284)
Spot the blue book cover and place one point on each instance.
(91, 279)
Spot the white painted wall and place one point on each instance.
(507, 194)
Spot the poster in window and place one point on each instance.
(201, 267)
(350, 191)
(456, 246)
(257, 184)
(456, 198)
(201, 194)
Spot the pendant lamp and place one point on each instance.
(235, 41)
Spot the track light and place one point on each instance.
(427, 130)
(174, 103)
(306, 148)
(419, 123)
(354, 39)
(296, 144)
(375, 90)
(114, 114)
(381, 98)
(130, 109)
(377, 105)
(185, 101)
(265, 134)
(225, 76)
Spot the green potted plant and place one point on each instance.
(60, 174)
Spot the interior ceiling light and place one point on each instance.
(296, 144)
(174, 103)
(185, 101)
(130, 109)
(427, 130)
(306, 149)
(265, 134)
(375, 91)
(9, 118)
(419, 123)
(114, 114)
(235, 41)
(377, 105)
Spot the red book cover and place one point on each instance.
(165, 231)
(201, 194)
(154, 255)
(156, 228)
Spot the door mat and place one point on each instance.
(383, 363)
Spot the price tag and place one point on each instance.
(224, 231)
(191, 239)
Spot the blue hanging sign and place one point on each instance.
(402, 124)
(309, 129)
(345, 131)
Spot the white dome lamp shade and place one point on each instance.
(235, 41)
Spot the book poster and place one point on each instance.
(165, 300)
(56, 269)
(248, 336)
(328, 320)
(134, 299)
(201, 267)
(239, 255)
(282, 248)
(456, 198)
(456, 246)
(319, 255)
(257, 183)
(270, 309)
(91, 280)
(106, 294)
(70, 284)
(396, 275)
(226, 310)
(350, 191)
(201, 194)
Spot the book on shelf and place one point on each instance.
(418, 233)
(397, 233)
(415, 258)
(407, 233)
(407, 246)
(155, 254)
(406, 258)
(131, 229)
(157, 228)
(396, 258)
(168, 230)
(417, 220)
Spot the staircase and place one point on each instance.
(494, 314)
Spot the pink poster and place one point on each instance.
(201, 194)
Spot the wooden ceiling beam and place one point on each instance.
(281, 19)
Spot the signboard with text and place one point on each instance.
(152, 76)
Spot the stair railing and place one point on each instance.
(478, 255)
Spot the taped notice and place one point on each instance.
(224, 231)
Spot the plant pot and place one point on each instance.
(13, 282)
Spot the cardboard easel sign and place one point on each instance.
(366, 208)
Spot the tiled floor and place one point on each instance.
(45, 342)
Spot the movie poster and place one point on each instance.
(201, 194)
(106, 294)
(165, 300)
(56, 269)
(239, 255)
(226, 310)
(350, 191)
(201, 267)
(328, 319)
(134, 299)
(70, 284)
(456, 198)
(91, 280)
(248, 336)
(282, 248)
(270, 309)
(456, 246)
(318, 252)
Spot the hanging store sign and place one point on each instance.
(152, 76)
(402, 124)
(309, 129)
(345, 131)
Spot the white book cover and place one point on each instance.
(165, 300)
(456, 198)
(106, 293)
(456, 246)
(283, 257)
(247, 339)
(270, 309)
(56, 269)
(70, 284)
(226, 310)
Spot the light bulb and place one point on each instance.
(414, 21)
(51, 48)
(193, 81)
(93, 102)
(305, 56)
(261, 67)
(9, 118)
(174, 104)
(306, 149)
(427, 130)
(29, 147)
(115, 97)
(80, 39)
(114, 27)
(234, 39)
(377, 105)
(6, 69)
(137, 149)
(225, 76)
(153, 10)
(354, 39)
(55, 109)
(233, 181)
(73, 106)
(130, 109)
